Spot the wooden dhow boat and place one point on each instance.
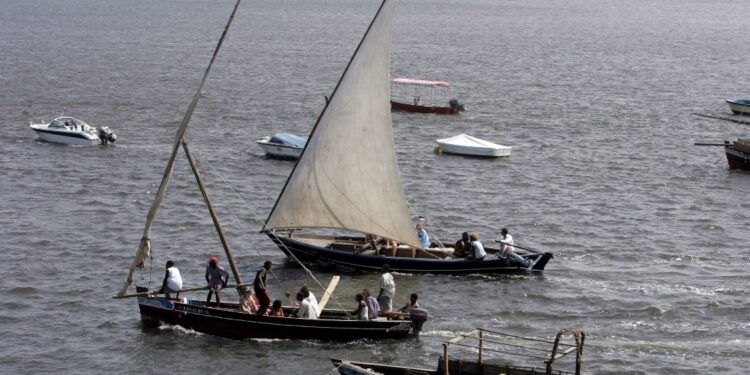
(428, 104)
(345, 189)
(738, 152)
(485, 342)
(227, 319)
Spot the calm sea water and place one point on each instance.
(650, 233)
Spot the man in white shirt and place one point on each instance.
(387, 290)
(305, 310)
(310, 297)
(172, 281)
(507, 249)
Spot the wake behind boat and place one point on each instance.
(72, 131)
(347, 180)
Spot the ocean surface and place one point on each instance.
(651, 234)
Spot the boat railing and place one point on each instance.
(484, 340)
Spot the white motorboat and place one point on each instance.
(467, 145)
(739, 106)
(283, 145)
(72, 131)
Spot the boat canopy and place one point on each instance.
(288, 139)
(421, 82)
(469, 141)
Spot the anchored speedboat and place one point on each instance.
(72, 131)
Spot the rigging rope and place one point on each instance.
(257, 218)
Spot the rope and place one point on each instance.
(257, 218)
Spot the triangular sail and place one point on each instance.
(347, 176)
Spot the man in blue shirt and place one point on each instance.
(424, 238)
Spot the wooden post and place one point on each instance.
(480, 345)
(445, 359)
(211, 211)
(328, 292)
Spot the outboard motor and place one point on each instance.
(456, 106)
(105, 134)
(418, 317)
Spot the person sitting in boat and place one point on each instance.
(412, 304)
(387, 290)
(361, 312)
(172, 281)
(276, 309)
(417, 100)
(216, 278)
(304, 311)
(310, 297)
(261, 288)
(477, 249)
(424, 238)
(248, 301)
(462, 248)
(507, 249)
(373, 308)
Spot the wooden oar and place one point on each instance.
(156, 292)
(710, 144)
(520, 247)
(329, 291)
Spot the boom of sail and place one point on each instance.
(347, 176)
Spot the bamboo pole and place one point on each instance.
(480, 346)
(211, 211)
(445, 359)
(154, 292)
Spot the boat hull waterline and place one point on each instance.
(312, 254)
(235, 324)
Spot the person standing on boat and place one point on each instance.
(387, 290)
(261, 288)
(310, 297)
(424, 238)
(462, 247)
(172, 281)
(477, 248)
(216, 278)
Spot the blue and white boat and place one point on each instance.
(739, 106)
(283, 145)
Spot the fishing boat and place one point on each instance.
(738, 152)
(228, 319)
(484, 342)
(463, 144)
(739, 106)
(72, 131)
(282, 145)
(346, 189)
(422, 102)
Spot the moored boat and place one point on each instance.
(486, 342)
(463, 144)
(738, 152)
(419, 103)
(739, 106)
(72, 131)
(282, 145)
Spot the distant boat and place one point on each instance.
(72, 131)
(463, 144)
(421, 104)
(487, 343)
(282, 145)
(739, 106)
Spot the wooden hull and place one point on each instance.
(737, 159)
(422, 108)
(312, 254)
(455, 367)
(230, 322)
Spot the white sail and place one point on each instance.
(347, 176)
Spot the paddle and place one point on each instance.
(710, 144)
(520, 247)
(329, 291)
